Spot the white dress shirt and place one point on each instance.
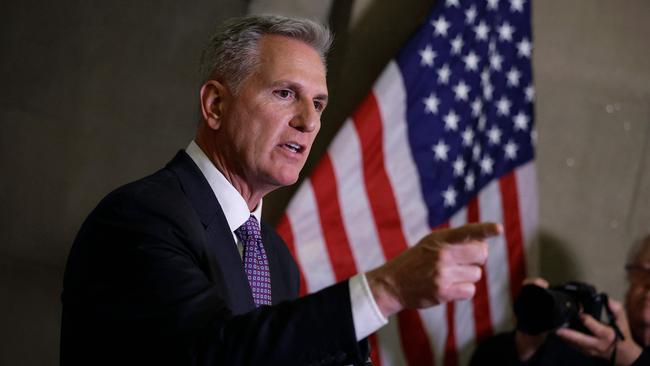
(365, 313)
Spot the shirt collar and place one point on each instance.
(232, 203)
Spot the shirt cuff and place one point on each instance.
(365, 313)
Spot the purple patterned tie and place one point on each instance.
(256, 264)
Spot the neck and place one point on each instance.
(527, 344)
(235, 176)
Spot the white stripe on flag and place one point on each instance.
(310, 247)
(464, 324)
(435, 320)
(497, 267)
(529, 214)
(400, 167)
(345, 154)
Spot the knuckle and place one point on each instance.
(478, 273)
(444, 255)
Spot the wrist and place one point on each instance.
(627, 353)
(384, 293)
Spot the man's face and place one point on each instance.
(269, 127)
(637, 300)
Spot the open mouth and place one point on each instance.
(293, 147)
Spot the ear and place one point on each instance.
(213, 96)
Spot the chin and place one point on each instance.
(283, 179)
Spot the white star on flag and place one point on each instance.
(521, 121)
(470, 15)
(451, 3)
(476, 152)
(511, 150)
(481, 122)
(469, 181)
(477, 107)
(440, 150)
(486, 165)
(461, 90)
(456, 45)
(503, 106)
(482, 31)
(487, 91)
(505, 32)
(471, 61)
(530, 93)
(450, 196)
(443, 74)
(493, 4)
(524, 48)
(441, 26)
(517, 5)
(495, 61)
(494, 135)
(427, 56)
(513, 77)
(468, 136)
(431, 104)
(459, 166)
(451, 121)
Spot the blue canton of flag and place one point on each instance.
(468, 78)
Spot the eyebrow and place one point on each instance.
(291, 84)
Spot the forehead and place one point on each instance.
(283, 56)
(644, 253)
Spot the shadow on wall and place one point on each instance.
(558, 264)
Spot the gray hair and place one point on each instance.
(232, 54)
(640, 247)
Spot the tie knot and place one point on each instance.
(250, 230)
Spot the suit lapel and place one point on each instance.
(277, 286)
(220, 244)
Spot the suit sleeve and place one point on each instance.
(137, 291)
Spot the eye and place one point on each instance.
(320, 106)
(284, 93)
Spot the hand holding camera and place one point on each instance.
(574, 310)
(603, 341)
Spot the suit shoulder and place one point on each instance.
(159, 192)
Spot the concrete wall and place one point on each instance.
(95, 94)
(592, 74)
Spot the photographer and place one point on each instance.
(601, 347)
(603, 343)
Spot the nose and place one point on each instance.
(306, 118)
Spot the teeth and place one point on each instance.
(293, 147)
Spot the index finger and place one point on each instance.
(478, 231)
(580, 340)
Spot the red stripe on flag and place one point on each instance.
(331, 220)
(481, 300)
(367, 122)
(374, 350)
(513, 232)
(416, 348)
(451, 353)
(284, 230)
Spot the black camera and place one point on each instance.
(539, 309)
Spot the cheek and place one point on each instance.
(636, 299)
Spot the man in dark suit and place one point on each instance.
(174, 269)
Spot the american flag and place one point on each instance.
(444, 138)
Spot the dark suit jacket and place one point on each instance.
(154, 278)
